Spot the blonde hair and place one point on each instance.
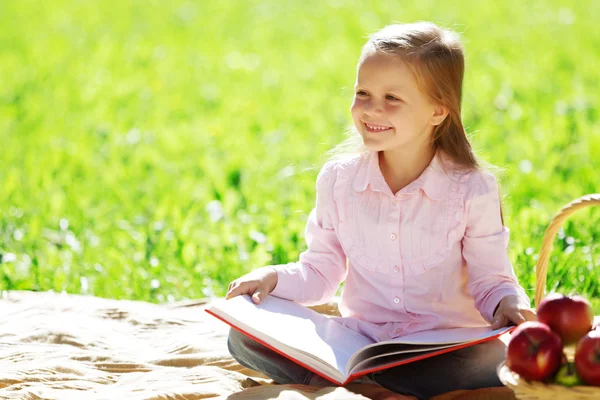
(436, 58)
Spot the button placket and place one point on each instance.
(397, 277)
(393, 233)
(393, 238)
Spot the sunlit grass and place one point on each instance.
(157, 150)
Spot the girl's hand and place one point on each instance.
(510, 312)
(258, 284)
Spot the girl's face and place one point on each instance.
(389, 109)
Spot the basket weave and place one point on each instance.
(532, 390)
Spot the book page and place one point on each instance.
(425, 341)
(276, 320)
(450, 335)
(383, 361)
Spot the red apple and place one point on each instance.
(570, 317)
(587, 358)
(534, 351)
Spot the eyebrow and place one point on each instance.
(387, 89)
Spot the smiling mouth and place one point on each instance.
(377, 128)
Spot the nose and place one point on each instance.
(373, 107)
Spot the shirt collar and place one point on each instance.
(434, 180)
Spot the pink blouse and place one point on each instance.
(433, 255)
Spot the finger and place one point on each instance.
(244, 288)
(229, 289)
(498, 322)
(516, 318)
(529, 315)
(259, 295)
(236, 290)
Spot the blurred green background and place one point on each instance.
(157, 150)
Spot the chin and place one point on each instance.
(376, 148)
(376, 145)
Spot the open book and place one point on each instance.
(328, 348)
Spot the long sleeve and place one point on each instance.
(315, 278)
(490, 273)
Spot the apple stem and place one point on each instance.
(570, 368)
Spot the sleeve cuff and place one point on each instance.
(287, 281)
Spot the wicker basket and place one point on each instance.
(532, 390)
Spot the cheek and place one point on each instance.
(355, 111)
(357, 105)
(392, 109)
(395, 113)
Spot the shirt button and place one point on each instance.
(396, 269)
(396, 300)
(395, 203)
(393, 236)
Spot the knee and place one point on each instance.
(238, 344)
(492, 352)
(480, 364)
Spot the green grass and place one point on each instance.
(126, 125)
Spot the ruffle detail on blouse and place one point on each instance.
(454, 219)
(342, 192)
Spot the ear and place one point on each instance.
(439, 115)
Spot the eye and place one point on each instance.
(362, 93)
(392, 98)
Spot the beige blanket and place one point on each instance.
(58, 346)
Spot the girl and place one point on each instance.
(415, 215)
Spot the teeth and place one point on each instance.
(377, 128)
